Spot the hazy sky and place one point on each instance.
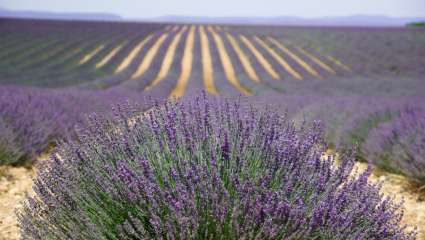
(152, 8)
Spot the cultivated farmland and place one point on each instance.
(95, 93)
(104, 55)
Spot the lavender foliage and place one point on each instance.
(29, 121)
(399, 145)
(32, 119)
(203, 169)
(374, 124)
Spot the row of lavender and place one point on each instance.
(47, 53)
(368, 51)
(389, 131)
(32, 119)
(50, 53)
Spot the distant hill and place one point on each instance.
(297, 21)
(416, 24)
(359, 20)
(59, 16)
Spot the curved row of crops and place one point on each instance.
(387, 131)
(129, 56)
(33, 119)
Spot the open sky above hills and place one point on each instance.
(223, 8)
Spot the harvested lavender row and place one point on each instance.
(203, 169)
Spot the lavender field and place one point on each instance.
(212, 131)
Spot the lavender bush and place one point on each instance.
(203, 169)
(399, 146)
(387, 131)
(357, 117)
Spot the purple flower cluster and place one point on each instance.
(31, 119)
(203, 168)
(386, 131)
(399, 145)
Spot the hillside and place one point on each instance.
(4, 13)
(359, 20)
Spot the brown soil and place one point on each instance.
(110, 55)
(246, 63)
(279, 58)
(14, 183)
(226, 62)
(401, 189)
(168, 61)
(295, 57)
(149, 57)
(207, 65)
(260, 57)
(90, 55)
(186, 65)
(132, 55)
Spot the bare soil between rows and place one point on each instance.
(15, 182)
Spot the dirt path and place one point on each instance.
(229, 71)
(339, 63)
(186, 66)
(90, 55)
(14, 182)
(297, 59)
(316, 60)
(149, 57)
(261, 59)
(127, 61)
(110, 55)
(167, 62)
(279, 59)
(399, 187)
(175, 28)
(207, 65)
(246, 64)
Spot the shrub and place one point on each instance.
(203, 169)
(365, 115)
(399, 146)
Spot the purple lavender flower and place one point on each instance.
(256, 177)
